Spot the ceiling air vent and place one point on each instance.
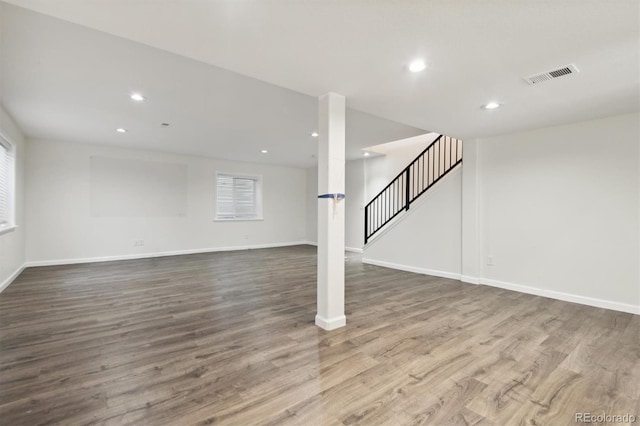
(550, 75)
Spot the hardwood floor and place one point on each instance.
(228, 338)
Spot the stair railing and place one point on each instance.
(431, 165)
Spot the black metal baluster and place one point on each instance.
(407, 189)
(402, 192)
(398, 193)
(395, 197)
(444, 154)
(433, 165)
(427, 171)
(422, 173)
(451, 162)
(425, 165)
(414, 177)
(392, 198)
(372, 217)
(413, 182)
(379, 210)
(366, 234)
(446, 147)
(386, 206)
(383, 206)
(436, 163)
(417, 178)
(439, 155)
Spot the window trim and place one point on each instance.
(8, 228)
(258, 198)
(10, 148)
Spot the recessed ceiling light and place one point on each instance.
(121, 130)
(366, 154)
(491, 105)
(417, 65)
(264, 151)
(314, 134)
(137, 97)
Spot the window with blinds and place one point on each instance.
(6, 184)
(238, 197)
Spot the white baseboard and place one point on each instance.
(436, 273)
(12, 277)
(35, 263)
(567, 297)
(470, 280)
(331, 324)
(351, 249)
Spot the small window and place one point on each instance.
(7, 185)
(238, 197)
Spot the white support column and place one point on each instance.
(331, 126)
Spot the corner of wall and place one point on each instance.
(12, 244)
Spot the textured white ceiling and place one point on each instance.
(477, 51)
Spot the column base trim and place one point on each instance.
(331, 324)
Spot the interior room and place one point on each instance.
(319, 212)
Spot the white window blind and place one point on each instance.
(6, 190)
(237, 197)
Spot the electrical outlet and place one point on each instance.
(138, 243)
(490, 260)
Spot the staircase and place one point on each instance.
(439, 158)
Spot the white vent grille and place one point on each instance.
(550, 75)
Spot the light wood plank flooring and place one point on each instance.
(228, 338)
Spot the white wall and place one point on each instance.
(428, 238)
(12, 243)
(556, 209)
(470, 268)
(61, 227)
(559, 211)
(312, 205)
(355, 191)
